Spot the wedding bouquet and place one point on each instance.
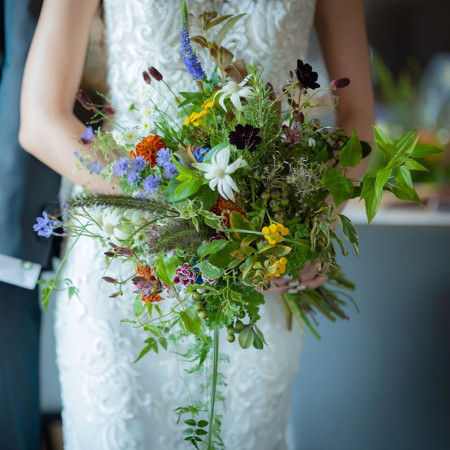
(224, 190)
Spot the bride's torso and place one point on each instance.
(107, 399)
(139, 33)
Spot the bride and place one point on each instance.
(108, 401)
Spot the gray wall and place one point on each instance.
(381, 380)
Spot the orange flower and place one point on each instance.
(148, 148)
(152, 298)
(146, 271)
(226, 207)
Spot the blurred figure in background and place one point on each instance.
(26, 186)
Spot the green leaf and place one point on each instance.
(368, 194)
(423, 150)
(207, 196)
(215, 22)
(247, 265)
(144, 351)
(138, 306)
(153, 329)
(384, 143)
(246, 337)
(214, 150)
(209, 271)
(351, 153)
(260, 334)
(209, 248)
(202, 423)
(169, 192)
(381, 179)
(187, 188)
(238, 221)
(223, 257)
(411, 164)
(403, 176)
(195, 98)
(257, 343)
(211, 219)
(166, 268)
(193, 323)
(226, 28)
(349, 232)
(190, 422)
(200, 432)
(341, 188)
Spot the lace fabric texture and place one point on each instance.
(110, 402)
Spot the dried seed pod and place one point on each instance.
(110, 280)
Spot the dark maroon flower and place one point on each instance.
(340, 83)
(84, 100)
(146, 77)
(245, 136)
(307, 78)
(292, 135)
(109, 110)
(155, 73)
(271, 90)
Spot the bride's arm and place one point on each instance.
(52, 75)
(340, 26)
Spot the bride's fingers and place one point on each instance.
(309, 272)
(315, 282)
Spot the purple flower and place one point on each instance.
(133, 178)
(138, 163)
(189, 57)
(163, 156)
(152, 183)
(121, 167)
(95, 167)
(170, 170)
(87, 136)
(199, 153)
(44, 225)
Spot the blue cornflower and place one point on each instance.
(121, 167)
(138, 163)
(170, 170)
(133, 178)
(88, 135)
(43, 225)
(189, 57)
(163, 157)
(152, 183)
(199, 153)
(95, 167)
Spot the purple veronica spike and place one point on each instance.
(189, 57)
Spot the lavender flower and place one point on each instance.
(190, 59)
(95, 167)
(138, 163)
(163, 157)
(44, 225)
(152, 183)
(170, 170)
(121, 167)
(133, 178)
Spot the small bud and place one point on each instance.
(84, 100)
(269, 88)
(146, 77)
(110, 254)
(138, 279)
(155, 73)
(116, 294)
(340, 83)
(109, 110)
(110, 280)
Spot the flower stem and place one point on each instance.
(214, 383)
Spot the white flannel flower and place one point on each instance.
(311, 142)
(235, 92)
(111, 218)
(130, 136)
(218, 172)
(147, 125)
(117, 136)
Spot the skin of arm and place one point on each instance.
(341, 29)
(49, 129)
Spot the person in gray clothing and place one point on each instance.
(27, 187)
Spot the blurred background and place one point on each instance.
(382, 380)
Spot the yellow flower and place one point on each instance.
(196, 118)
(208, 105)
(275, 233)
(276, 269)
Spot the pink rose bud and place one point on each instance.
(146, 76)
(340, 83)
(155, 73)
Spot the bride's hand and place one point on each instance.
(311, 278)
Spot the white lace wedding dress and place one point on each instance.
(109, 402)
